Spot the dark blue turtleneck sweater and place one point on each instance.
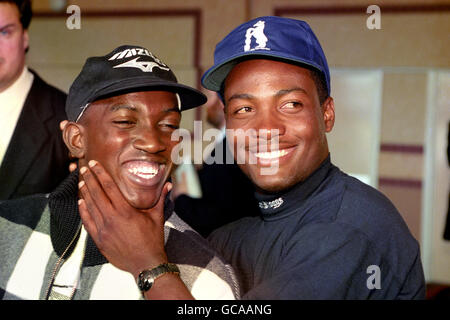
(329, 237)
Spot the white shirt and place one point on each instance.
(68, 277)
(11, 104)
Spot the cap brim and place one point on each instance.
(189, 97)
(213, 78)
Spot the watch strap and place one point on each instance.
(148, 276)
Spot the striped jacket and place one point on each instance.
(40, 234)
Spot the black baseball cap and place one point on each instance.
(127, 68)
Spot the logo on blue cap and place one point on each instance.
(257, 32)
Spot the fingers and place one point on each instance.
(166, 189)
(156, 213)
(103, 198)
(72, 166)
(111, 190)
(94, 197)
(63, 124)
(89, 213)
(88, 222)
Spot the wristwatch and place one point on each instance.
(147, 277)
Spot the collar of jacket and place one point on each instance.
(65, 220)
(280, 205)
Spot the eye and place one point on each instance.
(243, 110)
(5, 32)
(169, 125)
(172, 126)
(124, 123)
(292, 105)
(8, 30)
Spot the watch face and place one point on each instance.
(145, 281)
(147, 277)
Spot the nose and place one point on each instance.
(149, 140)
(269, 125)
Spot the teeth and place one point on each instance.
(271, 155)
(144, 172)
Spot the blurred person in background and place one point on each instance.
(227, 194)
(33, 156)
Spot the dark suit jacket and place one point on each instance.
(36, 160)
(227, 195)
(447, 224)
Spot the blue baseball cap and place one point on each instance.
(277, 38)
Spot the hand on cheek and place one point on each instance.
(131, 239)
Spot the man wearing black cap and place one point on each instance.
(321, 234)
(109, 231)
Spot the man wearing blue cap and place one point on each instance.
(321, 234)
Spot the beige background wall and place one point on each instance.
(414, 40)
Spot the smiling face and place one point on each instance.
(130, 135)
(13, 42)
(263, 95)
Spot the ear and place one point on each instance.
(25, 40)
(328, 114)
(73, 136)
